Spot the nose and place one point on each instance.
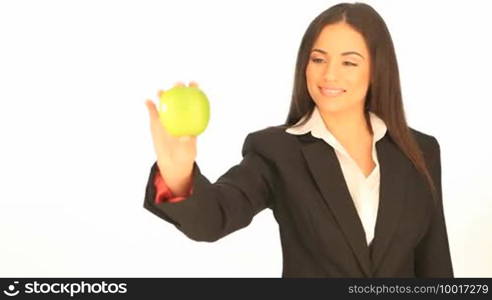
(330, 72)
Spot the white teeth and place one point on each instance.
(331, 92)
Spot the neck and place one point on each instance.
(347, 125)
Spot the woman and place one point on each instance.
(355, 191)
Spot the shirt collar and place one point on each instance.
(317, 127)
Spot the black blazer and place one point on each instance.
(299, 177)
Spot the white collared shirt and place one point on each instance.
(364, 190)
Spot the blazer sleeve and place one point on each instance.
(432, 254)
(163, 193)
(214, 210)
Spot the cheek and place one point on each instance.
(311, 79)
(359, 82)
(310, 74)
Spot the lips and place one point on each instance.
(331, 91)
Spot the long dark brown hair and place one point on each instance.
(384, 93)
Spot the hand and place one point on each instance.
(176, 154)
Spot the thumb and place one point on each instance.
(153, 113)
(187, 139)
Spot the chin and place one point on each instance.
(332, 105)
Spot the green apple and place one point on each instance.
(184, 111)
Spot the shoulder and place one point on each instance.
(424, 140)
(275, 132)
(270, 140)
(428, 144)
(274, 140)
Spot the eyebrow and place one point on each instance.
(343, 54)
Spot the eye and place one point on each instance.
(348, 63)
(316, 60)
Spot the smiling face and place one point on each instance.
(338, 72)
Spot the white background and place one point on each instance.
(76, 149)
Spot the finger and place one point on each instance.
(159, 93)
(153, 113)
(157, 128)
(193, 84)
(179, 83)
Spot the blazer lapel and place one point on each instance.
(325, 167)
(394, 167)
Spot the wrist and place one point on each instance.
(175, 171)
